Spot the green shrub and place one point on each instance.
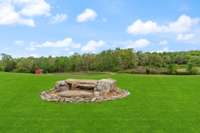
(148, 70)
(191, 69)
(194, 71)
(172, 69)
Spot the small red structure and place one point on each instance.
(38, 71)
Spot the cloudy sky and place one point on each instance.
(62, 27)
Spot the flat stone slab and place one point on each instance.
(76, 93)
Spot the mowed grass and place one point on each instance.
(157, 104)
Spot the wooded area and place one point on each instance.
(118, 60)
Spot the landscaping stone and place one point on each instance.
(73, 90)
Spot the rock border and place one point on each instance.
(54, 98)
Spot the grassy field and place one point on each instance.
(157, 104)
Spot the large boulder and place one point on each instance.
(105, 85)
(61, 86)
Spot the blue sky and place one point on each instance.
(63, 27)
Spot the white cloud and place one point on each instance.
(183, 24)
(141, 43)
(31, 47)
(5, 49)
(165, 49)
(19, 42)
(185, 37)
(34, 55)
(22, 11)
(58, 18)
(8, 16)
(92, 46)
(71, 53)
(33, 7)
(164, 42)
(87, 15)
(140, 27)
(65, 43)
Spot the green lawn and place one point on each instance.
(157, 104)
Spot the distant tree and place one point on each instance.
(172, 69)
(61, 64)
(142, 59)
(1, 66)
(51, 62)
(191, 69)
(76, 62)
(155, 59)
(25, 65)
(108, 60)
(8, 63)
(166, 60)
(126, 58)
(181, 58)
(88, 62)
(195, 60)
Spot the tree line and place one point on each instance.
(118, 60)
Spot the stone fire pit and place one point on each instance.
(73, 90)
